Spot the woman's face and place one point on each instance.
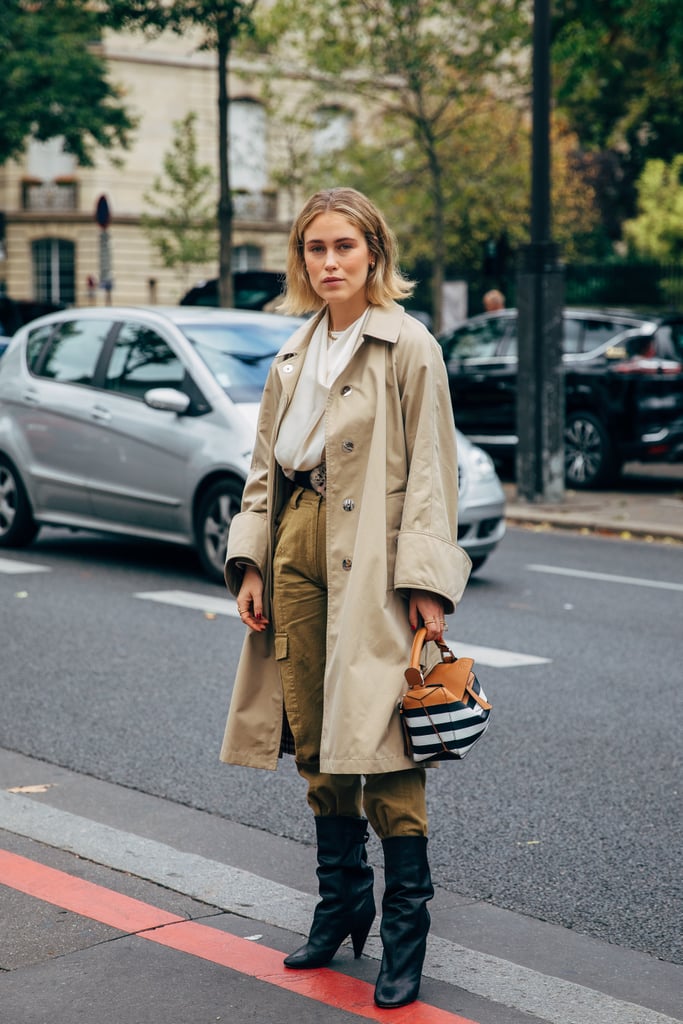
(337, 259)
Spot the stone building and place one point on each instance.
(53, 247)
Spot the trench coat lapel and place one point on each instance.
(289, 362)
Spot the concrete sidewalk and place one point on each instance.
(122, 908)
(647, 505)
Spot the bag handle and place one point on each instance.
(414, 675)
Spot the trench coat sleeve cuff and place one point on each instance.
(425, 562)
(247, 542)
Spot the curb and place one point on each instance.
(546, 518)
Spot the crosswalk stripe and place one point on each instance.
(12, 567)
(188, 599)
(605, 577)
(493, 657)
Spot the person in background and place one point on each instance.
(346, 543)
(493, 300)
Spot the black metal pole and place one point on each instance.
(540, 291)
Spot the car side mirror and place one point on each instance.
(167, 399)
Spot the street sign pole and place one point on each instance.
(540, 299)
(103, 218)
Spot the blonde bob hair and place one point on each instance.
(384, 281)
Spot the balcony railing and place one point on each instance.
(254, 205)
(49, 196)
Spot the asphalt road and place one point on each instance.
(569, 809)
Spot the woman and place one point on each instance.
(345, 543)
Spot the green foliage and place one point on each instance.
(54, 82)
(426, 67)
(183, 228)
(618, 76)
(656, 233)
(619, 72)
(221, 21)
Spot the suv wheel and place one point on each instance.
(216, 509)
(588, 459)
(17, 525)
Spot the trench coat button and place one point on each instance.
(288, 368)
(348, 504)
(347, 446)
(346, 390)
(346, 564)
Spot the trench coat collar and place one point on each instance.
(383, 324)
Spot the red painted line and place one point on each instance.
(260, 962)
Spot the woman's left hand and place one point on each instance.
(428, 609)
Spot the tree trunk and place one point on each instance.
(225, 289)
(439, 253)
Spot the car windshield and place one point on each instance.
(239, 355)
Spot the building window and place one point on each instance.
(332, 130)
(54, 270)
(247, 134)
(47, 161)
(246, 257)
(51, 182)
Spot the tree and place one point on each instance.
(221, 23)
(618, 73)
(656, 233)
(424, 65)
(182, 229)
(486, 186)
(54, 82)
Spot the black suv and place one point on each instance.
(623, 381)
(254, 289)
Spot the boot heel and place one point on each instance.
(359, 935)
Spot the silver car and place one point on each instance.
(141, 421)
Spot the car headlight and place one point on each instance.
(480, 464)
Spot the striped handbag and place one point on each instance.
(445, 714)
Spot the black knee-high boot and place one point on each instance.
(405, 919)
(347, 904)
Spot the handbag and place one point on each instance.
(444, 714)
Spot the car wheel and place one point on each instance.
(216, 509)
(588, 460)
(477, 563)
(17, 525)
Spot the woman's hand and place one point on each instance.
(250, 600)
(427, 609)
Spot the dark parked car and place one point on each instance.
(14, 313)
(623, 380)
(254, 289)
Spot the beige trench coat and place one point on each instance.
(391, 449)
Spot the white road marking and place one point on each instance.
(544, 997)
(494, 657)
(11, 567)
(196, 602)
(604, 577)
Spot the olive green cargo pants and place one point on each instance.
(394, 802)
